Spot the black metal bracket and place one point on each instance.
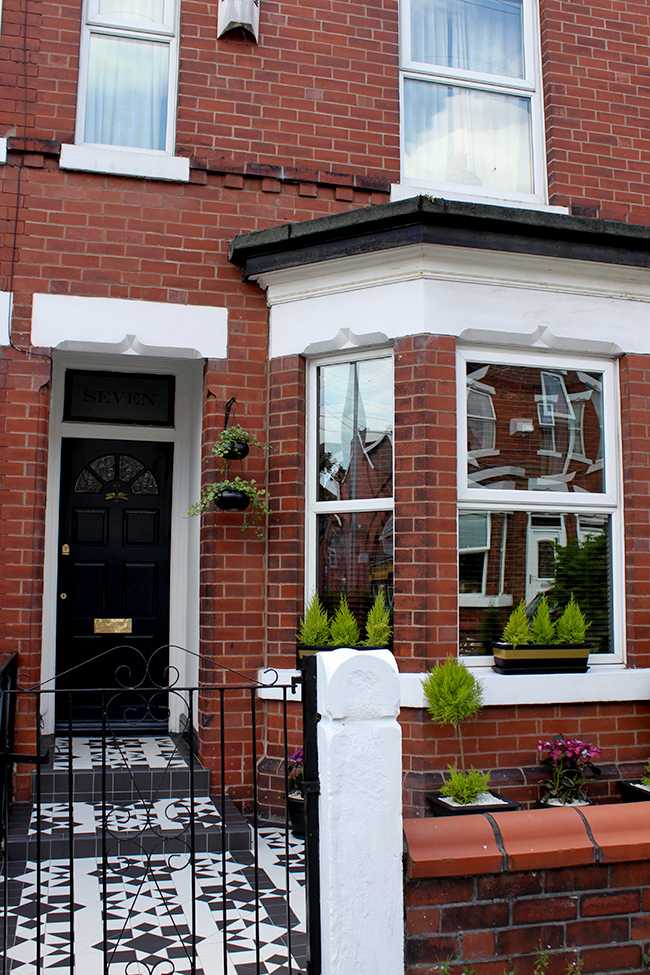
(295, 683)
(311, 787)
(232, 402)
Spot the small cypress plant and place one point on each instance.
(314, 628)
(542, 628)
(453, 695)
(517, 629)
(344, 631)
(572, 625)
(378, 628)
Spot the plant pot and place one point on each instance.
(232, 501)
(296, 807)
(237, 451)
(634, 792)
(556, 804)
(541, 658)
(439, 807)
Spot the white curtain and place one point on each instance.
(469, 35)
(126, 99)
(148, 10)
(467, 136)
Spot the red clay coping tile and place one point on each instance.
(451, 846)
(621, 832)
(545, 838)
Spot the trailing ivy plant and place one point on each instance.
(233, 435)
(257, 496)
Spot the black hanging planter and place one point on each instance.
(237, 451)
(232, 501)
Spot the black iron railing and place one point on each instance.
(153, 831)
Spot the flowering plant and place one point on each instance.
(295, 772)
(570, 761)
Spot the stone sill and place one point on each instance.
(528, 839)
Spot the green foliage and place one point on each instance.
(583, 570)
(541, 965)
(452, 695)
(646, 778)
(314, 628)
(517, 629)
(344, 631)
(378, 628)
(572, 625)
(465, 787)
(233, 435)
(575, 967)
(542, 628)
(258, 498)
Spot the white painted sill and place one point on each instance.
(406, 191)
(602, 683)
(3, 151)
(145, 163)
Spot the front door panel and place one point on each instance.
(114, 554)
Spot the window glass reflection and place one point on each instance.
(355, 557)
(525, 555)
(355, 424)
(532, 429)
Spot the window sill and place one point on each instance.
(406, 191)
(476, 599)
(604, 682)
(143, 163)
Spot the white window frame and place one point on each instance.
(609, 502)
(314, 507)
(530, 86)
(167, 32)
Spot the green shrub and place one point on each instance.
(453, 695)
(465, 787)
(517, 629)
(572, 625)
(314, 628)
(542, 628)
(378, 628)
(344, 631)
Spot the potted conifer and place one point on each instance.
(454, 695)
(543, 646)
(317, 632)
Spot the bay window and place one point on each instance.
(471, 98)
(538, 498)
(350, 482)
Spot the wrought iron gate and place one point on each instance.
(184, 884)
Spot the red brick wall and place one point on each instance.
(595, 57)
(491, 924)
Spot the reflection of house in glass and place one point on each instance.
(356, 548)
(532, 430)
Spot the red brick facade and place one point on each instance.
(303, 125)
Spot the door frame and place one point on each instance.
(186, 482)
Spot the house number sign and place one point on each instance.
(114, 397)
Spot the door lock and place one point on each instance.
(65, 550)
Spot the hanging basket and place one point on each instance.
(237, 451)
(232, 501)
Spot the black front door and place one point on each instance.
(113, 582)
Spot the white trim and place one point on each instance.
(167, 33)
(186, 437)
(118, 325)
(605, 684)
(3, 143)
(530, 86)
(115, 161)
(407, 189)
(6, 306)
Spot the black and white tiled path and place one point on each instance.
(149, 899)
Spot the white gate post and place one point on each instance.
(360, 813)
